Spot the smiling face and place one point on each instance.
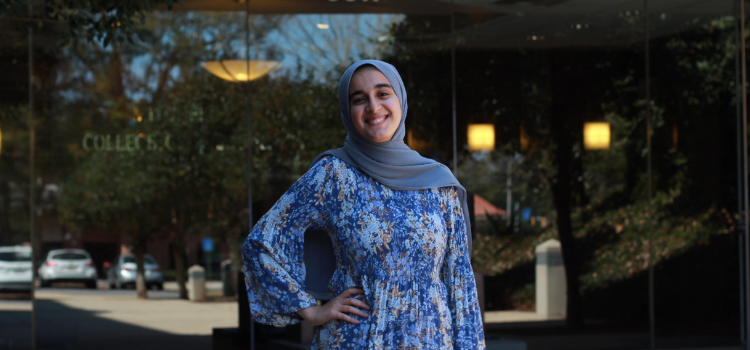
(373, 105)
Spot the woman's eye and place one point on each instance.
(357, 100)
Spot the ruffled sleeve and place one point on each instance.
(458, 277)
(272, 255)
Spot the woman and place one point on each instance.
(399, 231)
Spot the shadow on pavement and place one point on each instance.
(15, 329)
(15, 320)
(62, 327)
(501, 336)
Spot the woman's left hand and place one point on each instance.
(337, 308)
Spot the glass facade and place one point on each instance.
(609, 129)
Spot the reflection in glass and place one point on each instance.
(237, 70)
(596, 135)
(551, 77)
(141, 150)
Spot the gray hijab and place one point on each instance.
(391, 163)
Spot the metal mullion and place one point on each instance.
(651, 311)
(743, 62)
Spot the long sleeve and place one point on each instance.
(272, 255)
(458, 277)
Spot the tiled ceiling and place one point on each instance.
(517, 23)
(422, 7)
(572, 23)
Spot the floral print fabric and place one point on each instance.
(406, 249)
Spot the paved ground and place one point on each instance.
(15, 321)
(516, 316)
(76, 318)
(73, 318)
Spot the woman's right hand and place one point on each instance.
(337, 308)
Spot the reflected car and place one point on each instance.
(68, 265)
(16, 271)
(123, 271)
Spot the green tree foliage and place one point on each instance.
(14, 209)
(96, 20)
(116, 191)
(198, 180)
(693, 87)
(136, 90)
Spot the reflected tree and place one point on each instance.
(327, 44)
(110, 90)
(540, 92)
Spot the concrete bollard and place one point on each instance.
(479, 280)
(197, 283)
(551, 293)
(227, 279)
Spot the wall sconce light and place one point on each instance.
(415, 143)
(236, 70)
(481, 137)
(596, 135)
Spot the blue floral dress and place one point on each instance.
(406, 249)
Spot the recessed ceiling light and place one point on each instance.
(535, 37)
(323, 26)
(629, 13)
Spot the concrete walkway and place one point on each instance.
(82, 319)
(86, 321)
(211, 286)
(15, 323)
(516, 316)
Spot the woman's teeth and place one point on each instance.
(376, 121)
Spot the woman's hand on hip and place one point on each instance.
(337, 308)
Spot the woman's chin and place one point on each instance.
(378, 138)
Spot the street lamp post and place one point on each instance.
(245, 71)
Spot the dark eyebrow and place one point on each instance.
(378, 86)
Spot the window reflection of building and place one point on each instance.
(516, 63)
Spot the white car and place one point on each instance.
(68, 265)
(15, 268)
(122, 272)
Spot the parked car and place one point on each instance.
(123, 271)
(15, 268)
(68, 265)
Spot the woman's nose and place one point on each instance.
(373, 105)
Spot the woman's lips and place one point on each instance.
(375, 121)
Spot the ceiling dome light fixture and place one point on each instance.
(629, 13)
(323, 26)
(236, 70)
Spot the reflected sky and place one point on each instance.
(174, 44)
